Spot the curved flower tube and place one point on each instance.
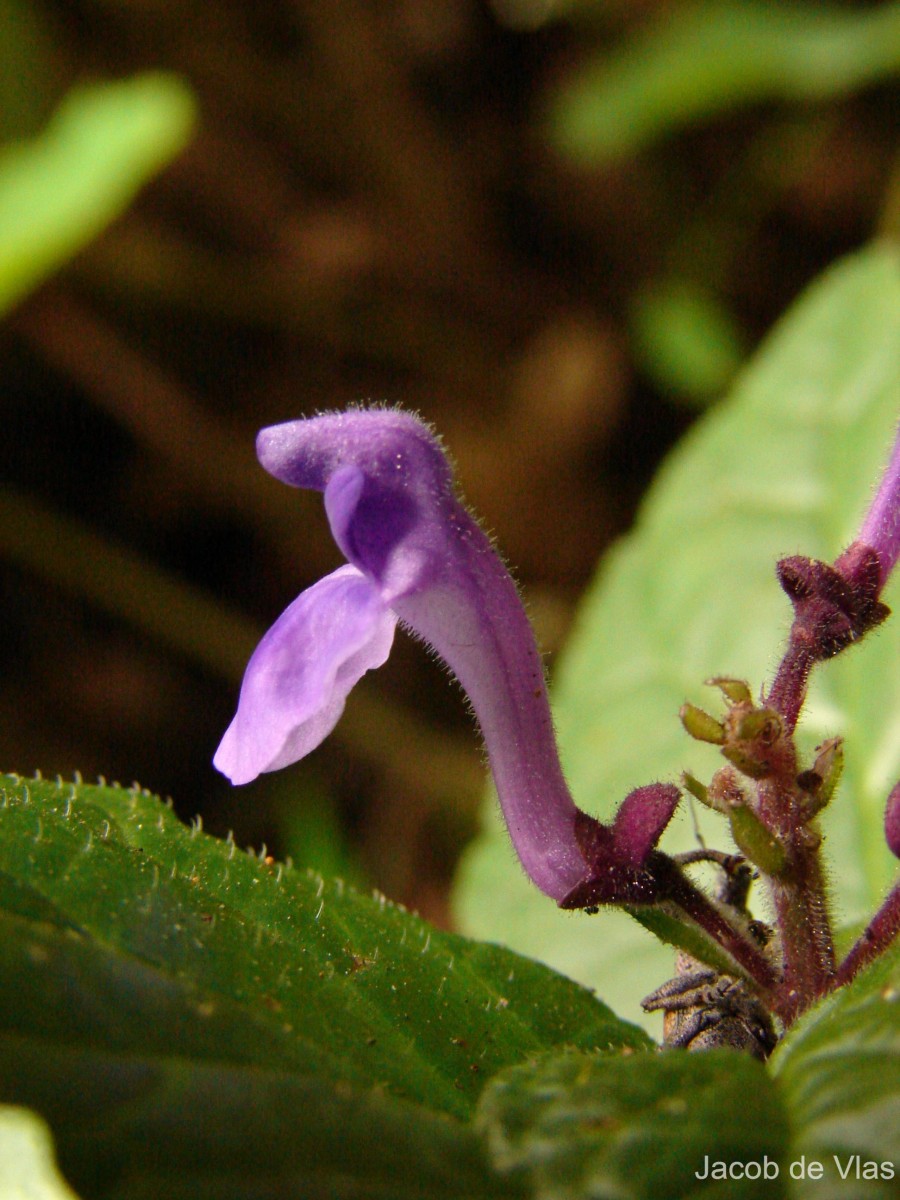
(417, 556)
(881, 527)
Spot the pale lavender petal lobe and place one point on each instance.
(298, 679)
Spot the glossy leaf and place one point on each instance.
(125, 931)
(785, 465)
(637, 1127)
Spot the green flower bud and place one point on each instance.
(701, 726)
(698, 790)
(735, 690)
(756, 842)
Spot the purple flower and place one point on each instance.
(881, 527)
(892, 820)
(418, 557)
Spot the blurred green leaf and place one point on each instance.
(125, 932)
(573, 1126)
(310, 828)
(27, 1165)
(685, 340)
(132, 1126)
(839, 1071)
(700, 60)
(58, 191)
(785, 465)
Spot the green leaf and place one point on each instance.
(312, 831)
(122, 930)
(698, 61)
(195, 1020)
(136, 1127)
(685, 340)
(58, 191)
(839, 1072)
(635, 1128)
(785, 465)
(27, 1164)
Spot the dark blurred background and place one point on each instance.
(384, 201)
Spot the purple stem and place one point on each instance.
(678, 889)
(807, 945)
(880, 933)
(788, 691)
(834, 606)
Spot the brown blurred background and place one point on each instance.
(373, 207)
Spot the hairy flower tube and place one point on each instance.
(881, 527)
(416, 556)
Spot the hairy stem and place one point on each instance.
(806, 938)
(677, 888)
(788, 691)
(881, 931)
(834, 606)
